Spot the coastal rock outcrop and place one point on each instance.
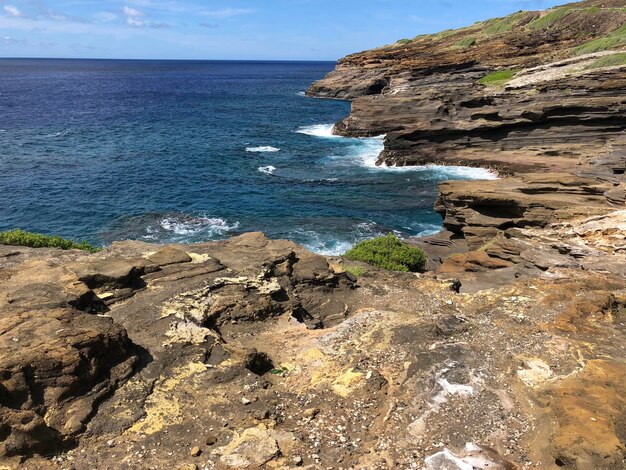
(253, 352)
(59, 358)
(64, 340)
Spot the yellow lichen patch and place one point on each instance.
(314, 354)
(586, 407)
(162, 406)
(345, 384)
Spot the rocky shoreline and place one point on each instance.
(509, 352)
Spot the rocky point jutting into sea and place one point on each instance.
(510, 352)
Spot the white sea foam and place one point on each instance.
(268, 170)
(301, 93)
(319, 130)
(182, 225)
(372, 148)
(62, 133)
(466, 172)
(262, 149)
(424, 230)
(321, 244)
(366, 150)
(331, 244)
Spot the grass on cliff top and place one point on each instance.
(611, 60)
(388, 252)
(548, 20)
(498, 78)
(613, 40)
(501, 25)
(466, 42)
(19, 237)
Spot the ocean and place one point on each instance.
(188, 151)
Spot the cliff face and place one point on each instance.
(534, 92)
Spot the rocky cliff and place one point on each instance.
(254, 353)
(536, 95)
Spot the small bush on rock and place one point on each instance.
(498, 78)
(356, 271)
(388, 253)
(19, 237)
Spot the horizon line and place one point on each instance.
(170, 60)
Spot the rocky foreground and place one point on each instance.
(251, 352)
(510, 352)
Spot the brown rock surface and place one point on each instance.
(397, 371)
(58, 361)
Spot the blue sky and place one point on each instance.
(229, 29)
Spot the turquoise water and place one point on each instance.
(169, 151)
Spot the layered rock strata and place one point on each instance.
(255, 353)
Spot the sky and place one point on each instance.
(230, 29)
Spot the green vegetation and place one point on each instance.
(501, 25)
(614, 39)
(388, 252)
(610, 60)
(465, 42)
(497, 78)
(548, 20)
(357, 271)
(19, 237)
(451, 32)
(404, 41)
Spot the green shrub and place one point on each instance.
(356, 271)
(610, 60)
(465, 42)
(497, 78)
(404, 41)
(19, 237)
(389, 253)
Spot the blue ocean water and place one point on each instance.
(188, 151)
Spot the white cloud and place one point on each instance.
(131, 12)
(227, 12)
(133, 17)
(55, 15)
(13, 11)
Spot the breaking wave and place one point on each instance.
(268, 170)
(319, 130)
(262, 149)
(189, 226)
